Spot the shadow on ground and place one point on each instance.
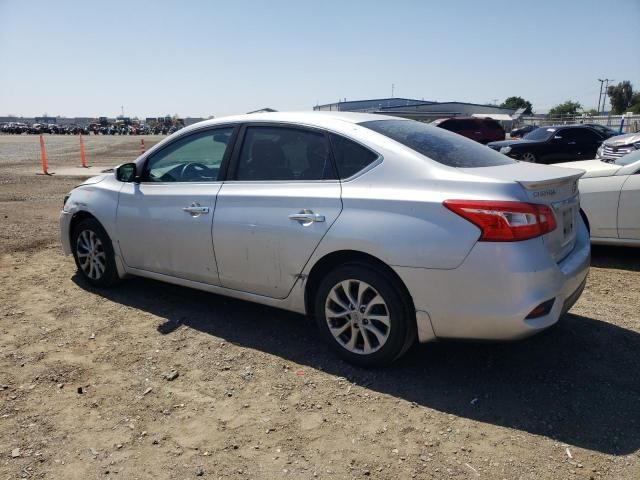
(622, 258)
(577, 383)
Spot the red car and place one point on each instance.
(483, 130)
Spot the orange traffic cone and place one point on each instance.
(83, 159)
(141, 146)
(43, 157)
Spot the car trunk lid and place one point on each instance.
(556, 187)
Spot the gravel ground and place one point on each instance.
(88, 385)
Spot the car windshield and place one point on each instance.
(628, 159)
(438, 144)
(540, 134)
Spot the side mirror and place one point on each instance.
(557, 137)
(126, 172)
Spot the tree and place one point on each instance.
(565, 109)
(635, 103)
(620, 97)
(516, 103)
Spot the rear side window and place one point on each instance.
(280, 153)
(444, 147)
(350, 157)
(587, 136)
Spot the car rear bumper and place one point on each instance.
(498, 285)
(65, 222)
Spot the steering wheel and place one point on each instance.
(193, 170)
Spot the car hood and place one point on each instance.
(593, 168)
(511, 143)
(96, 179)
(623, 139)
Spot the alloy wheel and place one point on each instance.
(357, 316)
(92, 257)
(529, 157)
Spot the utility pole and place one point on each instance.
(602, 97)
(600, 94)
(604, 92)
(392, 88)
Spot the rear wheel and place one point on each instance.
(93, 253)
(528, 157)
(363, 316)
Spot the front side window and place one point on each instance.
(195, 158)
(439, 145)
(567, 135)
(285, 154)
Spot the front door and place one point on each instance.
(629, 208)
(282, 197)
(164, 221)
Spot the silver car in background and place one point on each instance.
(617, 147)
(386, 230)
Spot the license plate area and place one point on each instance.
(566, 214)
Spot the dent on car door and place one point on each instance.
(629, 208)
(164, 220)
(281, 198)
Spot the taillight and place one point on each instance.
(502, 221)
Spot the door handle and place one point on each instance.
(306, 217)
(195, 209)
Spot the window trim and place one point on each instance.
(237, 148)
(209, 128)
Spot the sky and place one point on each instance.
(201, 58)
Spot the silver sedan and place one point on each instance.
(385, 230)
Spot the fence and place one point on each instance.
(631, 122)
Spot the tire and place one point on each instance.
(93, 253)
(388, 335)
(528, 157)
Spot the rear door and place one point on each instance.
(564, 146)
(588, 142)
(281, 197)
(629, 208)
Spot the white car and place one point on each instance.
(610, 199)
(386, 230)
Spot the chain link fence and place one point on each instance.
(631, 122)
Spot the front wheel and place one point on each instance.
(528, 157)
(363, 315)
(93, 253)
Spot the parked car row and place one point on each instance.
(18, 128)
(387, 231)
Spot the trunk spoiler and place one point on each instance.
(537, 184)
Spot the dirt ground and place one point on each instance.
(84, 392)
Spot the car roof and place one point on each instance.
(572, 125)
(314, 118)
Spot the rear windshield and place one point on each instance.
(440, 145)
